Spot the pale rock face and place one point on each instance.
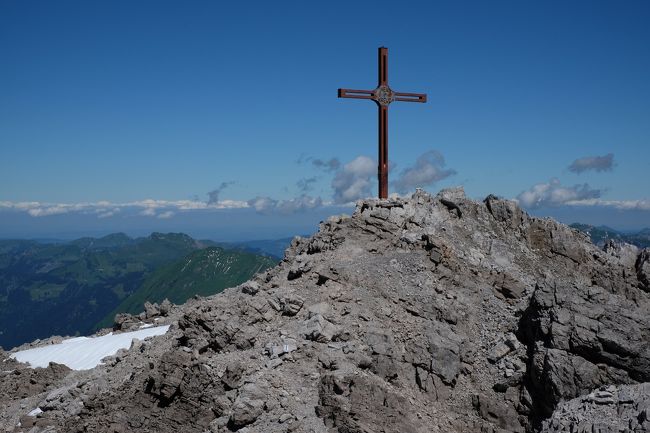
(427, 314)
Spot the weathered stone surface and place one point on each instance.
(151, 310)
(607, 409)
(497, 412)
(343, 399)
(318, 328)
(125, 322)
(509, 286)
(245, 411)
(584, 337)
(444, 346)
(291, 305)
(505, 211)
(250, 287)
(233, 375)
(427, 314)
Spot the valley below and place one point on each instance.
(77, 287)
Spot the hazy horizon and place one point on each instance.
(246, 224)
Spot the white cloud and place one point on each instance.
(617, 204)
(150, 211)
(301, 203)
(54, 210)
(353, 181)
(428, 169)
(37, 209)
(230, 204)
(553, 193)
(105, 209)
(107, 214)
(166, 214)
(262, 204)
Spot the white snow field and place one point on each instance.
(84, 353)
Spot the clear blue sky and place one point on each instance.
(124, 101)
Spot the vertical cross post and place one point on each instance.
(382, 169)
(383, 96)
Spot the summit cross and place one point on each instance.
(383, 96)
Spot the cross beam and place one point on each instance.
(383, 95)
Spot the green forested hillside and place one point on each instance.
(67, 288)
(204, 272)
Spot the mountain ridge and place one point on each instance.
(601, 234)
(411, 315)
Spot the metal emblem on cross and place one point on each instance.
(383, 95)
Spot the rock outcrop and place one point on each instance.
(426, 314)
(608, 409)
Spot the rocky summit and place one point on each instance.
(413, 315)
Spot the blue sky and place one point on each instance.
(125, 101)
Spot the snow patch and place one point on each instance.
(35, 412)
(84, 353)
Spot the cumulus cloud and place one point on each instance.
(262, 204)
(354, 179)
(266, 205)
(428, 169)
(597, 163)
(213, 196)
(299, 204)
(553, 193)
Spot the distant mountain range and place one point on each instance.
(600, 234)
(70, 288)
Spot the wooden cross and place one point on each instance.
(383, 96)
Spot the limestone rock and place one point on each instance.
(606, 409)
(245, 411)
(416, 315)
